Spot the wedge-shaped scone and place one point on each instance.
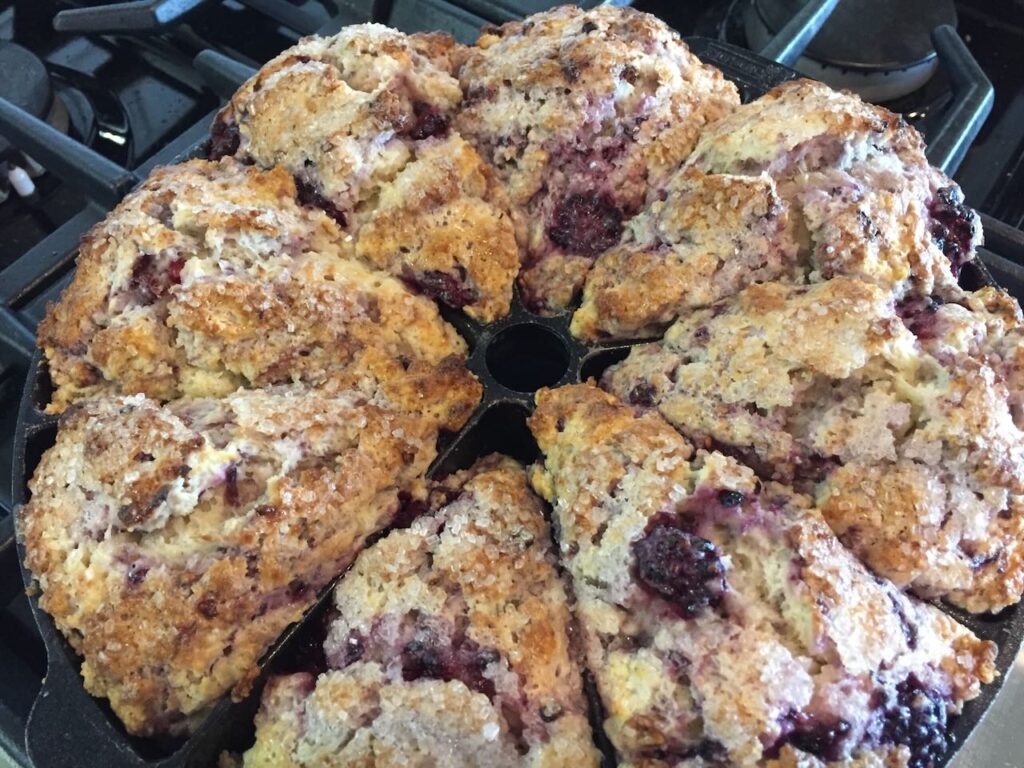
(172, 544)
(855, 177)
(724, 622)
(450, 646)
(580, 113)
(210, 278)
(705, 238)
(917, 465)
(803, 184)
(362, 121)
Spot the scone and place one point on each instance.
(723, 621)
(362, 120)
(450, 646)
(803, 184)
(172, 544)
(917, 465)
(580, 113)
(703, 238)
(211, 277)
(856, 177)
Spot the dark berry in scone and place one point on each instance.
(450, 646)
(172, 544)
(723, 621)
(581, 113)
(916, 460)
(362, 120)
(211, 277)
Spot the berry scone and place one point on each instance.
(362, 121)
(723, 621)
(918, 466)
(804, 184)
(581, 113)
(211, 277)
(450, 646)
(172, 544)
(704, 238)
(856, 178)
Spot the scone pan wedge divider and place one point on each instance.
(512, 358)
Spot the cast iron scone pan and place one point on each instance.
(513, 358)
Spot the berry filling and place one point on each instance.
(441, 286)
(224, 139)
(586, 223)
(952, 227)
(680, 567)
(428, 122)
(821, 739)
(148, 282)
(308, 194)
(917, 719)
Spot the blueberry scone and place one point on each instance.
(172, 544)
(580, 113)
(362, 120)
(450, 646)
(211, 277)
(918, 466)
(723, 621)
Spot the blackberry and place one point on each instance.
(918, 720)
(680, 567)
(952, 226)
(586, 223)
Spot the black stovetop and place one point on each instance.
(138, 101)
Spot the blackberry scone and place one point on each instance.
(723, 621)
(581, 113)
(917, 465)
(450, 646)
(362, 121)
(804, 183)
(173, 544)
(211, 277)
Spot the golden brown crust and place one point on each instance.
(469, 595)
(362, 120)
(794, 639)
(210, 277)
(173, 544)
(595, 105)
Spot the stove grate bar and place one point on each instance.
(222, 73)
(89, 172)
(973, 96)
(141, 16)
(791, 41)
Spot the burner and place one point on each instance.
(25, 84)
(880, 49)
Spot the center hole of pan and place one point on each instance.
(527, 357)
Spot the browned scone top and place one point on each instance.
(723, 621)
(802, 184)
(450, 646)
(580, 113)
(916, 462)
(362, 121)
(210, 277)
(174, 543)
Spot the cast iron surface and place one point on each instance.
(512, 358)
